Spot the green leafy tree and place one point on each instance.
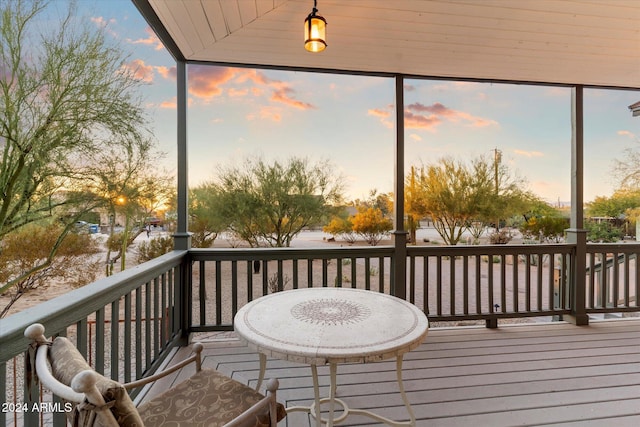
(206, 218)
(153, 248)
(270, 203)
(449, 198)
(64, 97)
(615, 206)
(414, 202)
(546, 228)
(602, 232)
(460, 196)
(30, 246)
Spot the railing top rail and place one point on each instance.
(518, 249)
(71, 307)
(291, 253)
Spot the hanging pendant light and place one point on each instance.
(315, 28)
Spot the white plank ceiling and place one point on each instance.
(590, 42)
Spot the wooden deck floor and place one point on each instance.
(528, 374)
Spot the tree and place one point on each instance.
(414, 202)
(206, 219)
(546, 228)
(615, 206)
(371, 224)
(271, 203)
(461, 196)
(341, 226)
(126, 179)
(65, 96)
(30, 246)
(449, 198)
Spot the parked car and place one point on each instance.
(155, 221)
(86, 227)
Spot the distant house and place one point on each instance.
(635, 109)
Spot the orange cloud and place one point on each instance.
(233, 92)
(268, 113)
(529, 153)
(140, 70)
(205, 82)
(173, 103)
(420, 116)
(626, 133)
(151, 40)
(417, 121)
(378, 112)
(283, 95)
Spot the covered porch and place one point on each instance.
(546, 373)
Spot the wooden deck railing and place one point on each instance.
(127, 323)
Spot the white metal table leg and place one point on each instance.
(412, 417)
(316, 393)
(263, 368)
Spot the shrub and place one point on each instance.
(154, 248)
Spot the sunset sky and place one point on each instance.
(349, 120)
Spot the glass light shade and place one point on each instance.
(315, 29)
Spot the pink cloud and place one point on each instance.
(378, 113)
(529, 153)
(205, 82)
(428, 117)
(172, 103)
(151, 40)
(417, 121)
(167, 72)
(140, 70)
(626, 133)
(284, 95)
(104, 24)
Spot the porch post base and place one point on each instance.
(578, 320)
(182, 241)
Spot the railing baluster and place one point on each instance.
(202, 292)
(156, 318)
(381, 273)
(99, 361)
(490, 284)
(516, 283)
(478, 284)
(128, 341)
(465, 285)
(115, 340)
(147, 325)
(439, 285)
(218, 276)
(138, 339)
(325, 273)
(354, 273)
(452, 285)
(234, 287)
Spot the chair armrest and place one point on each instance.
(195, 357)
(269, 401)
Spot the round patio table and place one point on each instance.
(320, 326)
